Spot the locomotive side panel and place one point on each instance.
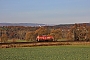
(44, 38)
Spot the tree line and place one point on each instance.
(74, 32)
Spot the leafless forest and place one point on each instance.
(75, 32)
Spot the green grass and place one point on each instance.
(75, 52)
(17, 41)
(21, 40)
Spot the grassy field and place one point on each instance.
(71, 52)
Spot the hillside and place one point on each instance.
(21, 24)
(37, 24)
(69, 25)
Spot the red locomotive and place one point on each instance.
(44, 38)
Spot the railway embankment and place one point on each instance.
(34, 44)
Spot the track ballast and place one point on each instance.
(33, 44)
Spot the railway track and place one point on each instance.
(32, 44)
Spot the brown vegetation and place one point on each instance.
(73, 32)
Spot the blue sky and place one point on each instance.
(45, 11)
